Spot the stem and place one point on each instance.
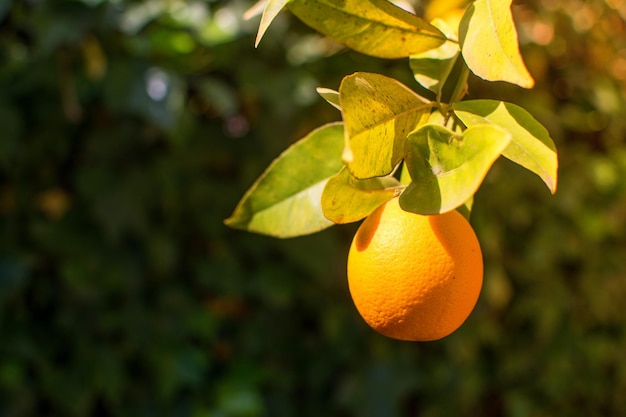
(439, 93)
(461, 85)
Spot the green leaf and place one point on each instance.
(379, 112)
(271, 10)
(489, 43)
(465, 209)
(347, 199)
(531, 145)
(432, 68)
(285, 201)
(373, 27)
(331, 96)
(448, 168)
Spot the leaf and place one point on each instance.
(255, 10)
(432, 68)
(531, 145)
(331, 96)
(465, 209)
(449, 10)
(447, 168)
(347, 199)
(405, 177)
(285, 201)
(379, 112)
(271, 10)
(489, 43)
(373, 27)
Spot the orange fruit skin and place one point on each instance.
(414, 277)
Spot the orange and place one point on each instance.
(414, 277)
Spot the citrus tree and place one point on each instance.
(425, 144)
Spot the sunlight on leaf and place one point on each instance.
(331, 96)
(347, 199)
(447, 168)
(271, 10)
(465, 209)
(379, 113)
(531, 145)
(432, 68)
(373, 27)
(405, 176)
(449, 10)
(489, 43)
(255, 10)
(286, 199)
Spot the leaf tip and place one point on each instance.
(268, 9)
(552, 186)
(257, 41)
(232, 222)
(526, 81)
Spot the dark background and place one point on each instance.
(129, 131)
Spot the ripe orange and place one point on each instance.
(414, 277)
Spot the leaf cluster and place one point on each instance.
(392, 141)
(122, 294)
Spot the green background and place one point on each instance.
(129, 131)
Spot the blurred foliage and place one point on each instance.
(129, 130)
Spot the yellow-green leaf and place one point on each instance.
(331, 96)
(347, 199)
(447, 168)
(432, 68)
(271, 10)
(373, 27)
(531, 145)
(285, 201)
(465, 209)
(489, 43)
(379, 112)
